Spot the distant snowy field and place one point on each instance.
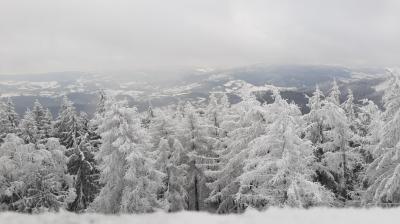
(280, 216)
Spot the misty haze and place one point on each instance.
(199, 111)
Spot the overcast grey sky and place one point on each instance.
(99, 35)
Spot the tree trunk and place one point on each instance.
(344, 174)
(196, 195)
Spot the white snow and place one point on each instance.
(219, 77)
(180, 90)
(280, 216)
(28, 85)
(132, 93)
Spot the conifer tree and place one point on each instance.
(314, 119)
(82, 165)
(334, 96)
(330, 132)
(95, 121)
(199, 145)
(34, 179)
(370, 123)
(8, 118)
(383, 175)
(244, 122)
(43, 120)
(68, 125)
(277, 171)
(28, 129)
(130, 181)
(172, 161)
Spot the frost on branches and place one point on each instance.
(278, 171)
(34, 179)
(212, 155)
(383, 175)
(130, 180)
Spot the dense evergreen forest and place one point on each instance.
(217, 157)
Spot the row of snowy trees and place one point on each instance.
(47, 164)
(218, 157)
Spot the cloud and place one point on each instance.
(99, 35)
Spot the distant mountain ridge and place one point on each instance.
(295, 81)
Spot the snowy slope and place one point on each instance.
(281, 216)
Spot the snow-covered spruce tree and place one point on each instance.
(148, 116)
(278, 171)
(334, 95)
(215, 111)
(28, 129)
(243, 122)
(42, 119)
(94, 123)
(8, 118)
(359, 148)
(171, 159)
(130, 181)
(101, 104)
(48, 123)
(352, 112)
(383, 175)
(329, 130)
(193, 132)
(163, 126)
(370, 124)
(34, 179)
(36, 125)
(216, 108)
(199, 145)
(82, 165)
(74, 132)
(349, 106)
(314, 119)
(173, 162)
(68, 125)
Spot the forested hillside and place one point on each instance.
(219, 156)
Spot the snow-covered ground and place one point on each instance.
(280, 216)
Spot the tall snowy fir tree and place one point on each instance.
(383, 175)
(244, 122)
(74, 132)
(370, 123)
(171, 159)
(130, 181)
(314, 120)
(334, 95)
(82, 165)
(215, 111)
(337, 162)
(163, 126)
(199, 145)
(94, 123)
(277, 171)
(68, 125)
(8, 118)
(43, 120)
(349, 108)
(28, 129)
